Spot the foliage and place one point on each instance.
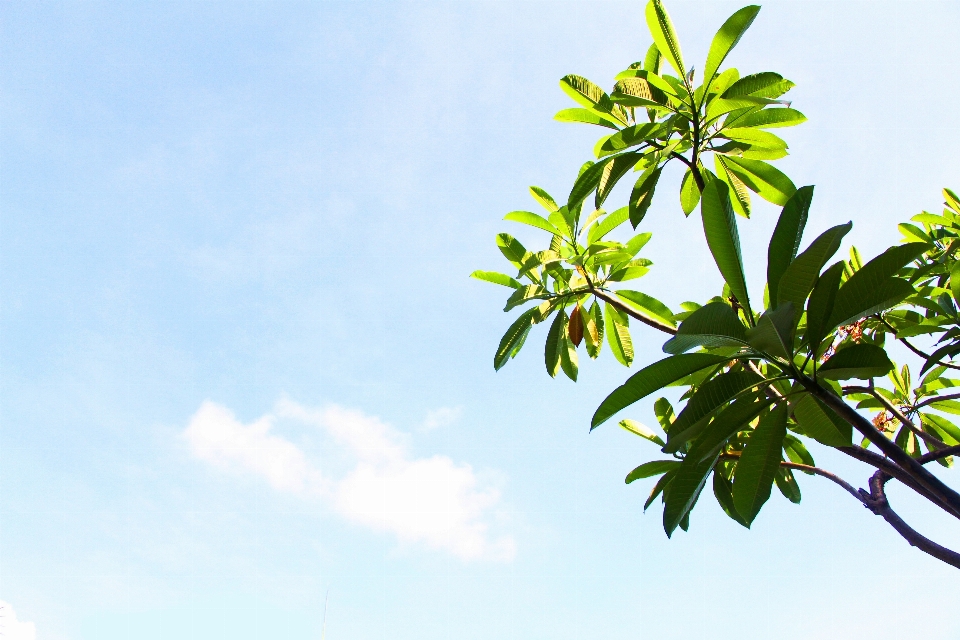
(762, 380)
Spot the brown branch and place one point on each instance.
(730, 455)
(899, 415)
(906, 343)
(936, 455)
(949, 396)
(876, 501)
(949, 497)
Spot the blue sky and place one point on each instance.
(240, 348)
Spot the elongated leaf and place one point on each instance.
(618, 334)
(586, 184)
(511, 249)
(649, 379)
(658, 488)
(726, 39)
(652, 468)
(629, 137)
(525, 294)
(496, 278)
(532, 219)
(684, 489)
(720, 228)
(642, 195)
(642, 430)
(736, 417)
(787, 484)
(759, 463)
(608, 224)
(797, 452)
(568, 357)
(648, 304)
(772, 118)
(661, 28)
(774, 332)
(873, 288)
(820, 305)
(585, 116)
(516, 333)
(754, 137)
(785, 241)
(712, 325)
(820, 422)
(593, 329)
(545, 199)
(764, 179)
(739, 193)
(709, 397)
(723, 490)
(591, 96)
(551, 351)
(799, 278)
(689, 193)
(612, 172)
(762, 85)
(943, 425)
(863, 361)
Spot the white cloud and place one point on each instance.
(431, 501)
(13, 629)
(442, 417)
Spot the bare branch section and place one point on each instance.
(898, 414)
(876, 501)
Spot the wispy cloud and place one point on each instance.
(13, 629)
(442, 417)
(431, 501)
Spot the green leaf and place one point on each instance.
(736, 417)
(797, 452)
(740, 194)
(759, 463)
(643, 431)
(788, 485)
(774, 331)
(955, 281)
(943, 425)
(723, 490)
(586, 183)
(772, 118)
(785, 241)
(712, 325)
(532, 219)
(661, 28)
(612, 172)
(799, 278)
(658, 488)
(763, 179)
(525, 294)
(608, 224)
(545, 199)
(820, 305)
(650, 379)
(820, 422)
(652, 60)
(629, 137)
(591, 96)
(585, 116)
(684, 489)
(642, 195)
(873, 288)
(648, 304)
(511, 249)
(689, 193)
(618, 334)
(652, 468)
(516, 334)
(759, 85)
(754, 138)
(551, 351)
(568, 355)
(863, 361)
(720, 228)
(593, 329)
(710, 396)
(726, 39)
(496, 278)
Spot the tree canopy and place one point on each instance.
(761, 380)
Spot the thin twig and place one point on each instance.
(898, 414)
(949, 396)
(811, 469)
(937, 455)
(906, 343)
(656, 324)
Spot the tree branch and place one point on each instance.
(876, 501)
(650, 322)
(906, 343)
(936, 455)
(949, 396)
(899, 415)
(824, 474)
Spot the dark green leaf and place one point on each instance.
(649, 379)
(658, 488)
(723, 490)
(799, 278)
(774, 332)
(785, 241)
(720, 228)
(863, 361)
(586, 183)
(712, 325)
(652, 468)
(612, 172)
(820, 422)
(689, 193)
(873, 288)
(797, 452)
(736, 417)
(820, 305)
(642, 195)
(955, 281)
(763, 179)
(788, 485)
(759, 463)
(709, 397)
(684, 489)
(551, 351)
(515, 334)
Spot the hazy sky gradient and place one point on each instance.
(234, 247)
